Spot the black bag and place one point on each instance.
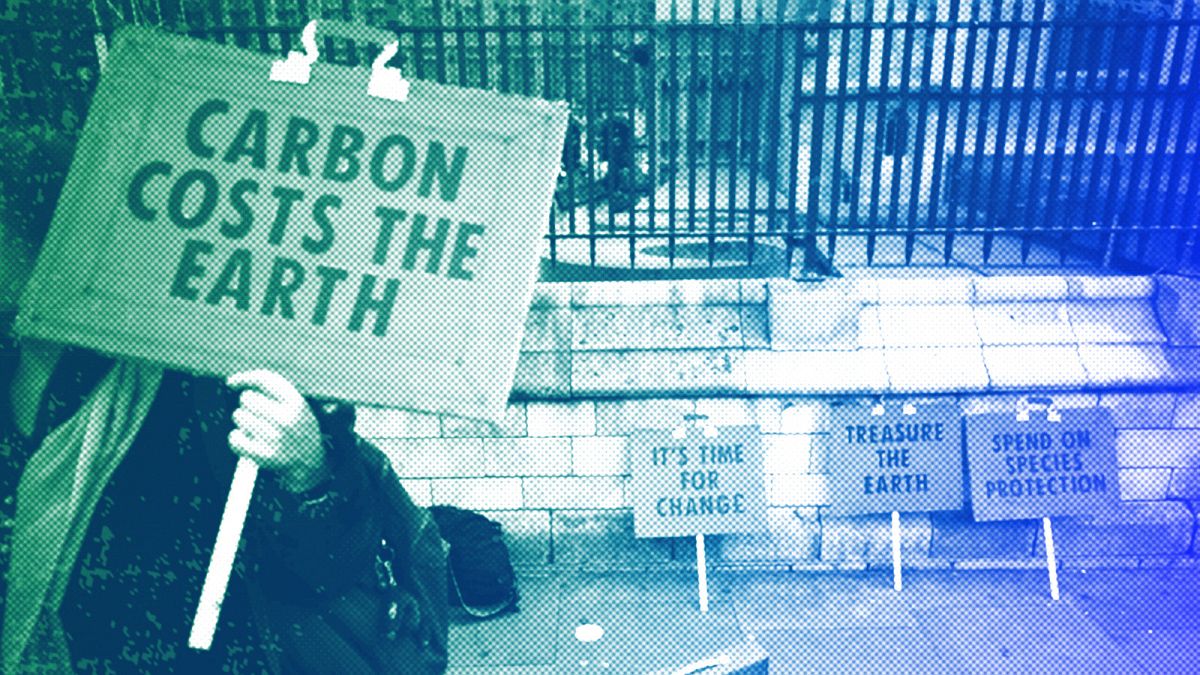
(481, 577)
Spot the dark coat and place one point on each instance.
(306, 595)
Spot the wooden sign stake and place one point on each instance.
(1051, 560)
(229, 533)
(702, 574)
(897, 581)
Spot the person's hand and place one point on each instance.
(275, 428)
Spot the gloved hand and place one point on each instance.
(275, 427)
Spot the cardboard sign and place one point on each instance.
(697, 484)
(1040, 468)
(371, 250)
(894, 461)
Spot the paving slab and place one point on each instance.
(1162, 652)
(925, 589)
(1044, 638)
(641, 639)
(862, 651)
(522, 639)
(818, 601)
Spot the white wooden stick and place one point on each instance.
(702, 573)
(1051, 559)
(221, 565)
(897, 581)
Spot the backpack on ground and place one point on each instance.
(482, 581)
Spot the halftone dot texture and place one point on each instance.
(1011, 155)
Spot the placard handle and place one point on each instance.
(897, 579)
(229, 534)
(1051, 557)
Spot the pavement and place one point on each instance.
(1118, 621)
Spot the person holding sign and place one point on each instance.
(119, 470)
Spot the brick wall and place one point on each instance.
(600, 360)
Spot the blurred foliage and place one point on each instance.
(47, 75)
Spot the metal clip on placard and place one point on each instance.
(1027, 404)
(694, 420)
(386, 83)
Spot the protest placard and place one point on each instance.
(1039, 467)
(697, 480)
(371, 239)
(371, 250)
(892, 459)
(1036, 466)
(697, 484)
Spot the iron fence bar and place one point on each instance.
(1045, 103)
(1114, 176)
(260, 17)
(589, 39)
(439, 42)
(983, 112)
(921, 133)
(876, 152)
(775, 126)
(526, 62)
(503, 57)
(460, 45)
(799, 36)
(1062, 137)
(1146, 110)
(901, 141)
(481, 45)
(217, 33)
(651, 88)
(1024, 118)
(1166, 107)
(1182, 140)
(418, 53)
(816, 155)
(1104, 130)
(860, 120)
(735, 103)
(673, 141)
(710, 146)
(569, 93)
(692, 107)
(608, 117)
(756, 103)
(630, 76)
(1007, 96)
(840, 132)
(937, 180)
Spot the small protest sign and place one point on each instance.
(696, 483)
(895, 461)
(1038, 467)
(697, 480)
(371, 249)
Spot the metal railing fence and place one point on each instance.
(732, 131)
